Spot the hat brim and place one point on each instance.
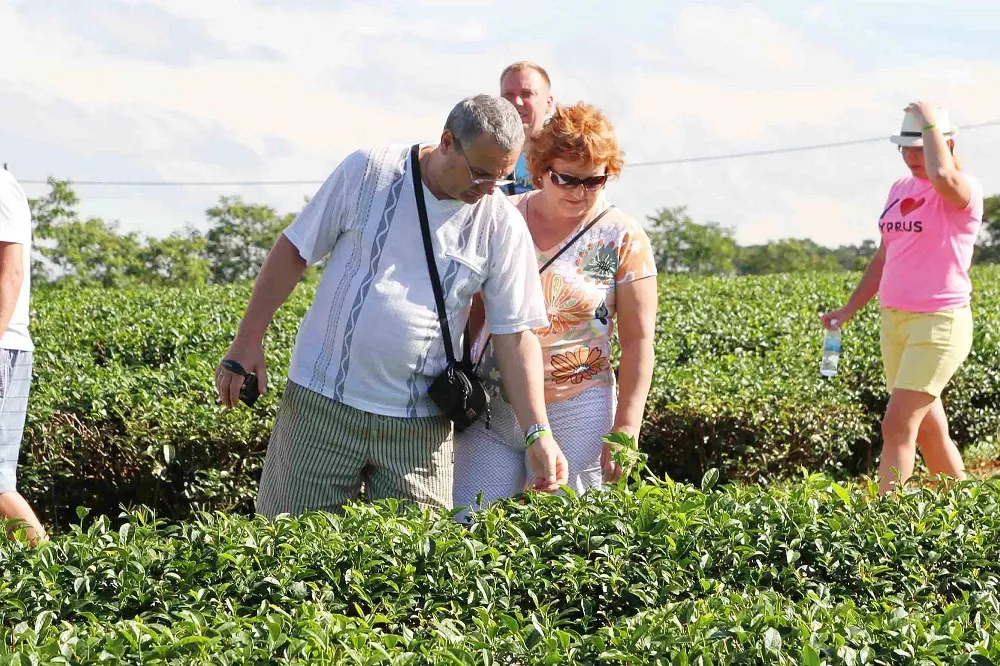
(915, 141)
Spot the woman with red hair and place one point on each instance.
(598, 274)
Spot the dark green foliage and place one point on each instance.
(737, 383)
(123, 407)
(804, 573)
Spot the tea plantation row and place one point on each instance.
(805, 573)
(123, 407)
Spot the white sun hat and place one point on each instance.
(911, 132)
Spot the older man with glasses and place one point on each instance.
(356, 408)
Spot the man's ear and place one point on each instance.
(448, 142)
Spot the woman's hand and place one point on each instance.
(841, 317)
(611, 470)
(619, 452)
(926, 111)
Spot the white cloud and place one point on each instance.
(789, 93)
(733, 44)
(824, 13)
(715, 80)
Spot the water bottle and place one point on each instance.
(831, 351)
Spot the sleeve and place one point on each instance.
(635, 254)
(512, 290)
(976, 197)
(15, 214)
(315, 230)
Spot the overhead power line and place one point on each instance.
(791, 149)
(633, 165)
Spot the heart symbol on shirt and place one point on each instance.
(910, 204)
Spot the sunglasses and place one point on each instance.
(568, 182)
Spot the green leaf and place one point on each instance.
(709, 480)
(841, 492)
(772, 640)
(621, 439)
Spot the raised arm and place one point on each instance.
(938, 160)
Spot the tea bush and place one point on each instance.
(123, 408)
(811, 572)
(737, 384)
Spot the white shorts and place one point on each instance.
(492, 460)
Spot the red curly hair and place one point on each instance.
(578, 133)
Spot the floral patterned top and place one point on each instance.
(579, 289)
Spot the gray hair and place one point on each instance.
(486, 114)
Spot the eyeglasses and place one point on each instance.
(479, 181)
(568, 182)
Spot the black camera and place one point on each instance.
(461, 396)
(249, 392)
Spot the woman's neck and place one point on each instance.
(548, 215)
(547, 227)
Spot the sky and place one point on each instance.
(282, 90)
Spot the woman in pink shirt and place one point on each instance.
(921, 276)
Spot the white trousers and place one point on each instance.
(492, 461)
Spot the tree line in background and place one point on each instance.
(70, 250)
(685, 246)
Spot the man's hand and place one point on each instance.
(228, 383)
(547, 466)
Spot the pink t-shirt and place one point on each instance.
(928, 247)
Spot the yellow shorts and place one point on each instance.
(922, 350)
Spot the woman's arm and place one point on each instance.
(636, 306)
(865, 291)
(938, 161)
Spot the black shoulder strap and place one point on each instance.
(425, 229)
(548, 263)
(574, 239)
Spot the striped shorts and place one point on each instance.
(322, 452)
(15, 384)
(491, 460)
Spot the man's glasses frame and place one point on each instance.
(479, 181)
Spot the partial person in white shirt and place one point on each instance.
(16, 350)
(355, 410)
